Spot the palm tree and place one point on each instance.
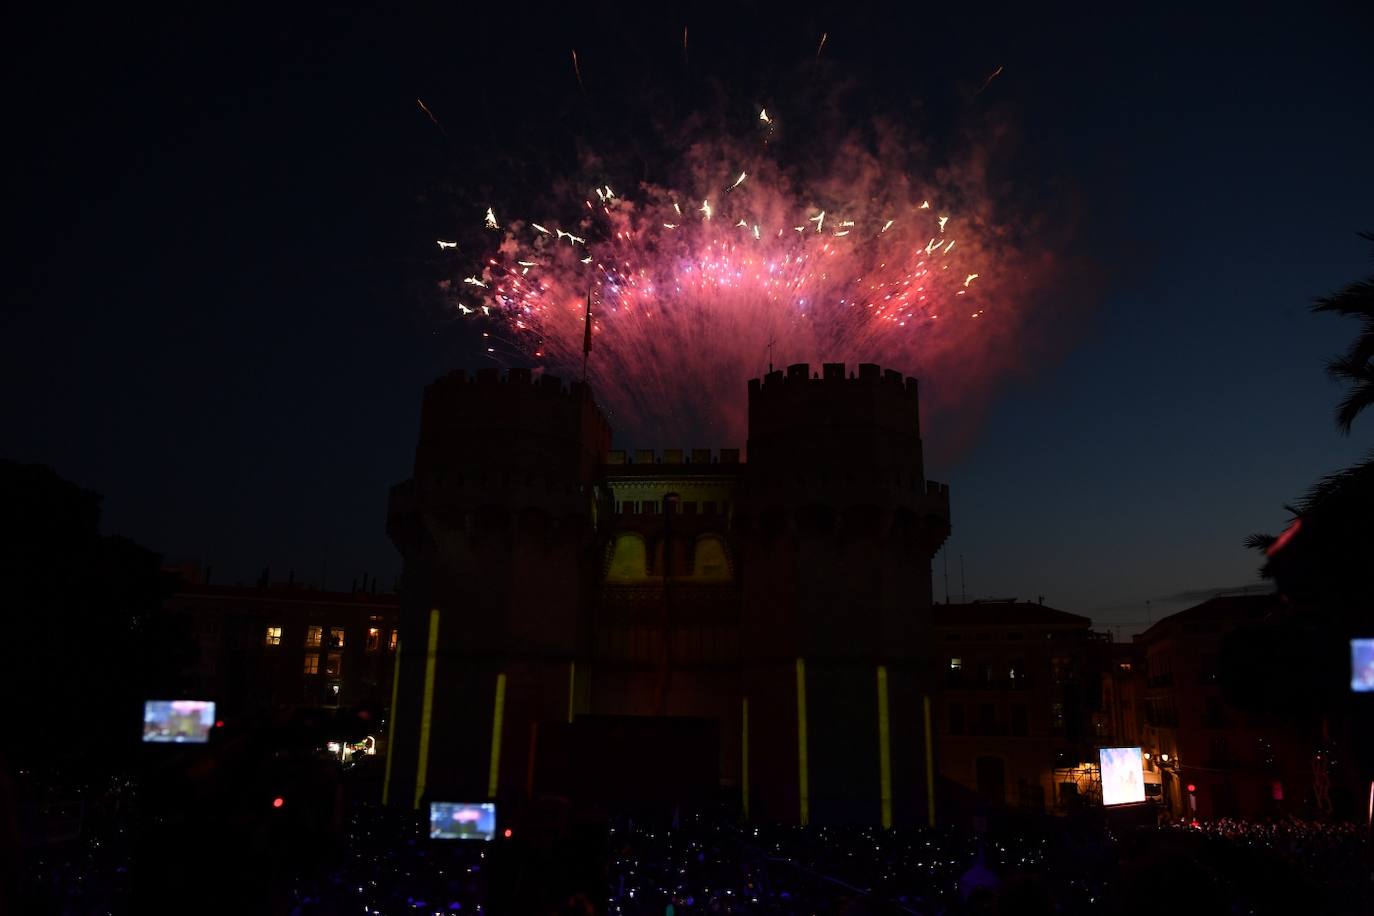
(1356, 365)
(1324, 554)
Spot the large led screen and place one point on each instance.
(458, 821)
(1123, 775)
(1362, 665)
(178, 721)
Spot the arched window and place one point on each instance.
(711, 561)
(627, 560)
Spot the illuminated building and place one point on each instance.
(1029, 694)
(681, 616)
(255, 650)
(1241, 762)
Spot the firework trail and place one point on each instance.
(577, 69)
(692, 287)
(991, 76)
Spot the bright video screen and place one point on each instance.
(458, 821)
(178, 721)
(1362, 665)
(1123, 775)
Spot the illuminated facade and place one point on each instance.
(1030, 693)
(764, 625)
(282, 647)
(1240, 763)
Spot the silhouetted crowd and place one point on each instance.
(384, 863)
(1336, 855)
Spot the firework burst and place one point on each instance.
(697, 287)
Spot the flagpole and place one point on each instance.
(587, 334)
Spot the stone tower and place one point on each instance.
(764, 626)
(497, 528)
(839, 527)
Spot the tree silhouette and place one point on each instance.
(1356, 365)
(83, 640)
(1323, 558)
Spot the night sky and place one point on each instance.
(215, 308)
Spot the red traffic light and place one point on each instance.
(508, 833)
(278, 802)
(1191, 787)
(219, 723)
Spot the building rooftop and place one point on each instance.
(1006, 612)
(1223, 609)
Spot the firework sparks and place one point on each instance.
(685, 308)
(819, 47)
(444, 246)
(490, 221)
(578, 71)
(763, 116)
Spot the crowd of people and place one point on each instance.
(1332, 855)
(383, 862)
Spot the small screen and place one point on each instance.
(1362, 665)
(178, 721)
(457, 821)
(1123, 775)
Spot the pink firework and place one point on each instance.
(694, 289)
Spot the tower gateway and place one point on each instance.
(640, 629)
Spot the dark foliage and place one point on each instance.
(83, 640)
(1326, 557)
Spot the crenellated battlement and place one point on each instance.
(798, 408)
(672, 456)
(515, 420)
(799, 376)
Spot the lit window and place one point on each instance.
(374, 639)
(312, 663)
(1124, 667)
(395, 635)
(333, 664)
(313, 635)
(336, 637)
(956, 664)
(274, 636)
